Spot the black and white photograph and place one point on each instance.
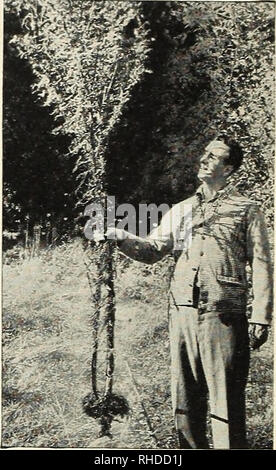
(138, 145)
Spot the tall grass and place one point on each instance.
(47, 348)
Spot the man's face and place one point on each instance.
(212, 167)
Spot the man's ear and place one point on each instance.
(228, 169)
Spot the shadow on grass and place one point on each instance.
(11, 395)
(14, 324)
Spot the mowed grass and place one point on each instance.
(47, 349)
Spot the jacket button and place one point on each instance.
(194, 269)
(203, 237)
(201, 253)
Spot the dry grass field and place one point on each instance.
(46, 358)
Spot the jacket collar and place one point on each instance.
(223, 191)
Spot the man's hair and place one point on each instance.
(235, 157)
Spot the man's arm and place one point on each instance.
(259, 257)
(147, 250)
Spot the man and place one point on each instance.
(208, 324)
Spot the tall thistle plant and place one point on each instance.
(87, 56)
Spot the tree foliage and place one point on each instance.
(86, 57)
(212, 65)
(234, 50)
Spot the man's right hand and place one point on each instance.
(115, 234)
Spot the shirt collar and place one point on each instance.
(201, 196)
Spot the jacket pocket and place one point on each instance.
(233, 281)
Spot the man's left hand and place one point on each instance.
(258, 335)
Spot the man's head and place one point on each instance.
(220, 159)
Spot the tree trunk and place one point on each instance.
(109, 313)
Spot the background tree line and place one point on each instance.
(211, 70)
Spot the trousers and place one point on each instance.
(209, 358)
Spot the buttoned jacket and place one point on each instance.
(213, 243)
